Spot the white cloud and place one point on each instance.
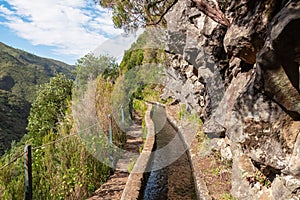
(71, 27)
(4, 11)
(115, 47)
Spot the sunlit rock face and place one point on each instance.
(243, 81)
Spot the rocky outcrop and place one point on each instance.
(193, 42)
(243, 81)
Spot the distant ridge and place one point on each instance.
(20, 74)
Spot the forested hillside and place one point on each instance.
(20, 75)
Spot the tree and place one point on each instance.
(132, 14)
(111, 73)
(50, 106)
(90, 67)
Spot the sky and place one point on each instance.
(64, 30)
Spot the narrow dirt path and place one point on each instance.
(114, 187)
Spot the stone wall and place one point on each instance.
(243, 81)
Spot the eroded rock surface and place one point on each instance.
(243, 81)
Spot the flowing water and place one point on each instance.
(171, 174)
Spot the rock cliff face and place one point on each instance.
(243, 80)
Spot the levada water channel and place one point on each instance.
(170, 175)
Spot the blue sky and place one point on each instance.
(64, 30)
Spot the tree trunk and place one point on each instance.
(215, 13)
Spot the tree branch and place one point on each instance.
(216, 14)
(163, 15)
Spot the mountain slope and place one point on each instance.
(20, 74)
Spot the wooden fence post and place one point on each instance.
(28, 172)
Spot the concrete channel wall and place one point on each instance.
(185, 135)
(200, 186)
(135, 180)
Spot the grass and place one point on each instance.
(190, 117)
(183, 114)
(227, 196)
(131, 165)
(217, 175)
(167, 101)
(139, 106)
(257, 177)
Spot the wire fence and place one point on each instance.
(27, 153)
(13, 160)
(47, 144)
